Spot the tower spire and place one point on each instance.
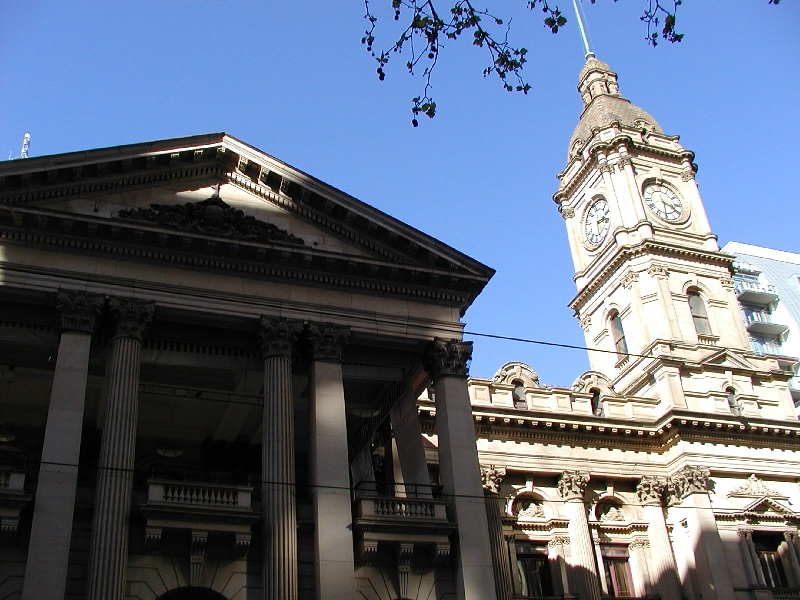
(587, 50)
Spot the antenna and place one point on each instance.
(588, 51)
(26, 142)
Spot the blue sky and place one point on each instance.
(293, 79)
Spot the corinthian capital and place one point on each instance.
(447, 357)
(689, 480)
(328, 341)
(572, 485)
(491, 477)
(650, 490)
(276, 337)
(77, 310)
(131, 316)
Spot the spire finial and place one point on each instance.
(587, 50)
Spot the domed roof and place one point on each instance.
(597, 84)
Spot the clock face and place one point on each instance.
(596, 223)
(663, 201)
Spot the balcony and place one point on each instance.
(753, 292)
(408, 515)
(200, 508)
(761, 322)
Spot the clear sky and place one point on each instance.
(292, 79)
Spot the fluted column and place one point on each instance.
(662, 568)
(330, 468)
(108, 558)
(690, 504)
(492, 476)
(276, 338)
(571, 488)
(459, 471)
(51, 531)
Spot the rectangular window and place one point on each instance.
(533, 571)
(767, 549)
(617, 571)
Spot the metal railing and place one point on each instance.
(754, 286)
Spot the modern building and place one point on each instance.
(199, 343)
(767, 284)
(670, 468)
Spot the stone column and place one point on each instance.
(691, 504)
(330, 470)
(51, 531)
(662, 566)
(749, 558)
(276, 339)
(792, 558)
(571, 488)
(108, 557)
(459, 471)
(492, 476)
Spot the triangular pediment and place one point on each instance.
(217, 196)
(767, 506)
(727, 359)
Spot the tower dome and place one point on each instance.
(603, 103)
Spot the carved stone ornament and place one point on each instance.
(629, 278)
(609, 512)
(755, 488)
(726, 282)
(559, 540)
(213, 217)
(328, 341)
(605, 167)
(639, 544)
(690, 480)
(77, 310)
(528, 508)
(585, 322)
(623, 162)
(567, 212)
(687, 175)
(276, 337)
(131, 316)
(650, 490)
(656, 271)
(572, 485)
(447, 357)
(491, 477)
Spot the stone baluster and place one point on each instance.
(459, 471)
(51, 531)
(108, 556)
(663, 569)
(276, 339)
(571, 488)
(330, 469)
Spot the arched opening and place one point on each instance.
(192, 593)
(699, 314)
(615, 324)
(518, 394)
(733, 401)
(597, 407)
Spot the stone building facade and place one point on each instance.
(670, 468)
(199, 344)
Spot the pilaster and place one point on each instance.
(571, 488)
(108, 556)
(51, 530)
(459, 471)
(663, 569)
(276, 338)
(330, 475)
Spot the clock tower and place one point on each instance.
(655, 296)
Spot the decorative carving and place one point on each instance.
(528, 508)
(242, 544)
(572, 485)
(745, 533)
(197, 554)
(623, 162)
(628, 279)
(442, 553)
(447, 357)
(726, 282)
(77, 310)
(152, 538)
(755, 488)
(276, 337)
(131, 316)
(690, 480)
(687, 174)
(657, 271)
(517, 371)
(585, 322)
(492, 476)
(558, 540)
(213, 217)
(638, 544)
(368, 550)
(567, 212)
(328, 341)
(650, 490)
(404, 554)
(605, 167)
(609, 512)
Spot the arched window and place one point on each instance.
(699, 314)
(615, 324)
(733, 402)
(518, 394)
(597, 408)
